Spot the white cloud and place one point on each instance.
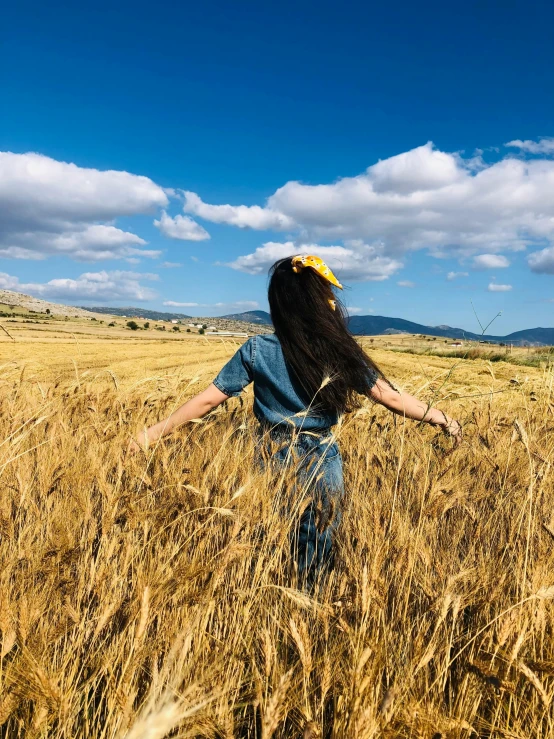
(90, 286)
(353, 310)
(420, 199)
(454, 275)
(177, 304)
(51, 208)
(181, 227)
(243, 305)
(490, 261)
(8, 282)
(542, 146)
(420, 169)
(243, 216)
(357, 262)
(542, 261)
(406, 283)
(91, 244)
(495, 288)
(170, 265)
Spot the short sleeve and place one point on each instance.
(372, 377)
(238, 372)
(368, 382)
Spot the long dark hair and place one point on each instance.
(316, 341)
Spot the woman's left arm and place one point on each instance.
(407, 405)
(196, 407)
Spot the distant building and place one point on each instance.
(457, 343)
(173, 321)
(226, 333)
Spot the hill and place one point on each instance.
(251, 316)
(37, 305)
(359, 325)
(379, 325)
(240, 322)
(152, 315)
(544, 336)
(376, 325)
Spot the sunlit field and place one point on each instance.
(154, 596)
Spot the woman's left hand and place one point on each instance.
(453, 428)
(132, 448)
(136, 445)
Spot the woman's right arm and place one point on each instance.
(410, 407)
(196, 407)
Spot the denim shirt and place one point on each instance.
(278, 397)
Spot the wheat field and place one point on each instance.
(153, 596)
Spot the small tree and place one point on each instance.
(147, 325)
(48, 311)
(133, 325)
(204, 326)
(188, 330)
(200, 330)
(176, 328)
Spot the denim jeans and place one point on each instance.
(317, 465)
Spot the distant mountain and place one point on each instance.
(377, 325)
(251, 316)
(130, 312)
(533, 336)
(381, 325)
(220, 323)
(361, 326)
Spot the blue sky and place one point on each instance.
(312, 122)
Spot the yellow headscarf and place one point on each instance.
(318, 265)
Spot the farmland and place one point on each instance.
(145, 595)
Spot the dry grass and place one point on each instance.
(154, 598)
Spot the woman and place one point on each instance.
(305, 375)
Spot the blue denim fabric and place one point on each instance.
(292, 434)
(317, 464)
(278, 399)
